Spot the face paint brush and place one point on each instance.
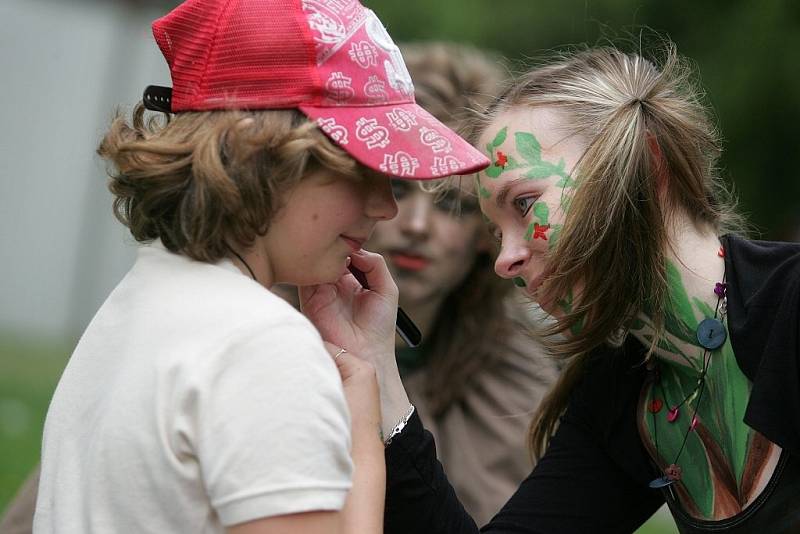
(404, 327)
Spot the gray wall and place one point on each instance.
(64, 68)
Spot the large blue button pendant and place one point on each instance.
(711, 333)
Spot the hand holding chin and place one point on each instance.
(360, 320)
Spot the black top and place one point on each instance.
(764, 324)
(594, 475)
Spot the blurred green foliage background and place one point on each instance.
(747, 55)
(746, 52)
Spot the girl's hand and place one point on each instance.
(347, 315)
(360, 384)
(362, 321)
(363, 510)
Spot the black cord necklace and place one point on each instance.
(711, 334)
(241, 259)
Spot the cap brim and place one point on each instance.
(401, 140)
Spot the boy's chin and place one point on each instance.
(321, 276)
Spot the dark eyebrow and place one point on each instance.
(500, 199)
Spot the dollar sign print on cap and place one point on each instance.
(331, 59)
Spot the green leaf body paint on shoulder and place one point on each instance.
(720, 446)
(679, 317)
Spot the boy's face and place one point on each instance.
(430, 247)
(325, 217)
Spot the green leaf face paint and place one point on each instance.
(541, 211)
(528, 147)
(533, 167)
(519, 282)
(565, 305)
(555, 232)
(493, 171)
(528, 214)
(539, 230)
(566, 181)
(482, 191)
(529, 232)
(500, 138)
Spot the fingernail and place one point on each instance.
(347, 261)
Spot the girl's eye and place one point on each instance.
(524, 204)
(469, 206)
(400, 188)
(449, 202)
(456, 206)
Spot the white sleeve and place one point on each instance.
(272, 426)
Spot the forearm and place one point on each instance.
(363, 510)
(394, 400)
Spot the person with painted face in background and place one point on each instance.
(681, 337)
(477, 378)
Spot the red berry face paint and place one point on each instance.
(540, 231)
(502, 160)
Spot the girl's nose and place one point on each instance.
(512, 259)
(415, 214)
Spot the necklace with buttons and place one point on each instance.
(711, 335)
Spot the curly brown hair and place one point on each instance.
(202, 182)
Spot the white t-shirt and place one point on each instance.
(196, 399)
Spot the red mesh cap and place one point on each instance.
(332, 59)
